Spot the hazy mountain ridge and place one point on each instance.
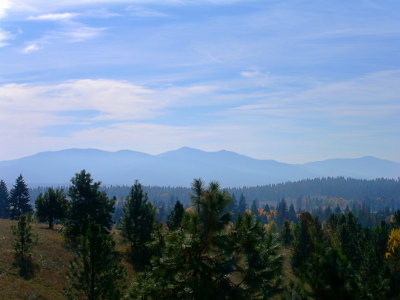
(179, 167)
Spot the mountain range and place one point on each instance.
(179, 167)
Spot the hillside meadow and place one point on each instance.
(50, 262)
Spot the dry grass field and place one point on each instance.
(50, 262)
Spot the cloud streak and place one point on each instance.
(31, 48)
(53, 17)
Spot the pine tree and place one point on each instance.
(254, 208)
(4, 204)
(51, 206)
(282, 212)
(19, 199)
(88, 205)
(286, 234)
(176, 216)
(233, 208)
(291, 213)
(138, 219)
(95, 273)
(242, 205)
(24, 240)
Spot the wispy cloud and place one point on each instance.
(140, 11)
(4, 6)
(31, 48)
(53, 17)
(4, 36)
(81, 33)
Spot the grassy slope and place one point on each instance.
(50, 257)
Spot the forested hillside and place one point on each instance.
(376, 193)
(298, 240)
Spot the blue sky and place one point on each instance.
(294, 81)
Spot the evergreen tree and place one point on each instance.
(286, 234)
(51, 206)
(254, 208)
(242, 205)
(327, 213)
(88, 205)
(197, 189)
(233, 208)
(138, 219)
(282, 212)
(95, 273)
(308, 234)
(176, 216)
(19, 199)
(24, 239)
(291, 213)
(4, 204)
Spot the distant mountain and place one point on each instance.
(179, 167)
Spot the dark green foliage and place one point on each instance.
(51, 206)
(396, 219)
(4, 204)
(19, 199)
(282, 212)
(233, 207)
(24, 239)
(138, 220)
(260, 275)
(254, 208)
(209, 259)
(96, 273)
(372, 280)
(327, 274)
(242, 204)
(308, 234)
(291, 215)
(286, 234)
(176, 216)
(351, 239)
(197, 192)
(346, 262)
(88, 205)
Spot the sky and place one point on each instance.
(292, 81)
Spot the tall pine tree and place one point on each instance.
(19, 199)
(176, 216)
(95, 273)
(138, 219)
(4, 204)
(88, 205)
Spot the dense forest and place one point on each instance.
(329, 238)
(376, 193)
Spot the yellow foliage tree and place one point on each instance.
(393, 249)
